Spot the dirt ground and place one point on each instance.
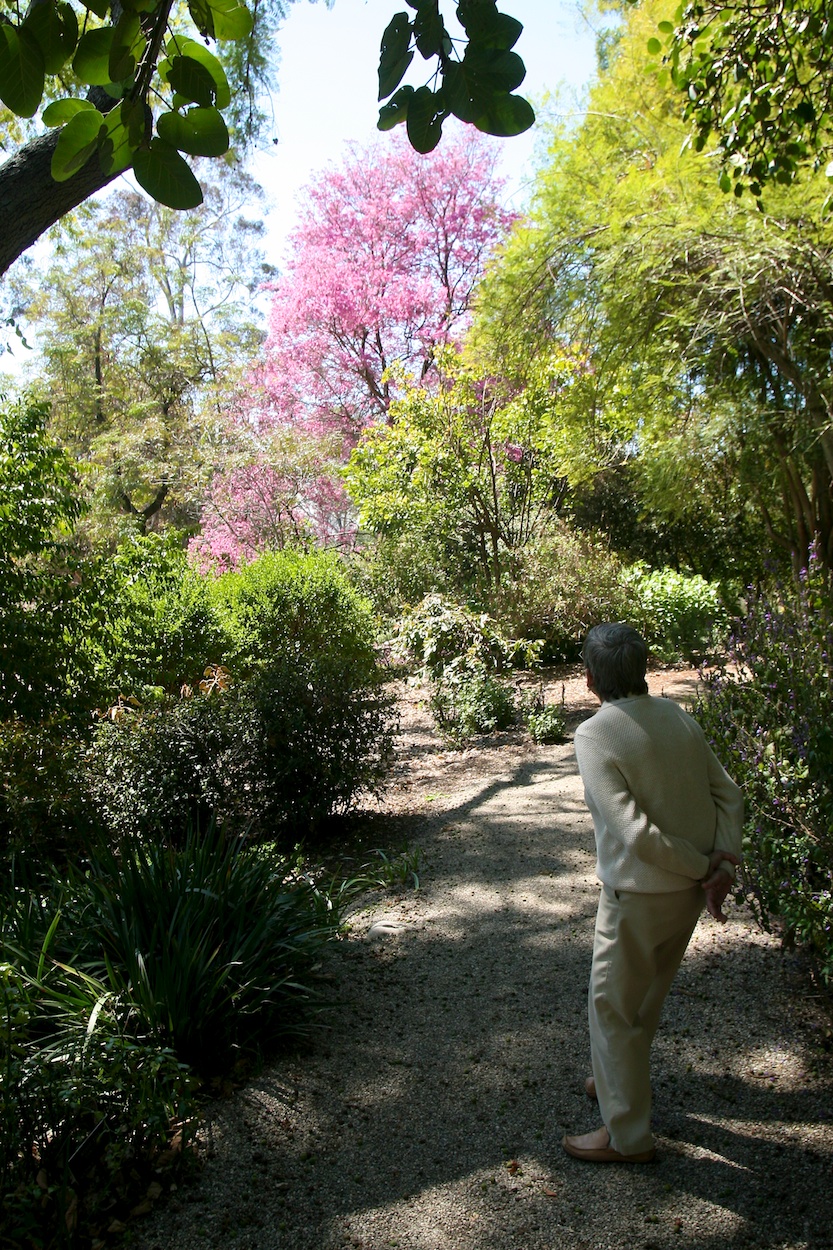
(428, 1115)
(421, 754)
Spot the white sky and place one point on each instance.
(328, 87)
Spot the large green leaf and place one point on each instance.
(461, 94)
(116, 148)
(92, 59)
(430, 34)
(163, 173)
(498, 71)
(494, 30)
(231, 19)
(506, 115)
(203, 16)
(127, 47)
(196, 52)
(486, 27)
(395, 55)
(192, 80)
(425, 119)
(59, 112)
(21, 70)
(76, 143)
(396, 110)
(199, 132)
(100, 7)
(55, 27)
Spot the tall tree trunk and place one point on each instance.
(31, 200)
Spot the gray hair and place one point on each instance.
(617, 657)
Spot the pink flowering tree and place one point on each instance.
(381, 271)
(276, 490)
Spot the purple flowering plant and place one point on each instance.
(768, 712)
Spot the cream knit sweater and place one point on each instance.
(660, 799)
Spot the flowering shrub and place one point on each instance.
(769, 713)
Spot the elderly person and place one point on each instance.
(668, 823)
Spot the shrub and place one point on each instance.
(303, 728)
(160, 771)
(153, 622)
(768, 710)
(440, 632)
(466, 699)
(271, 758)
(317, 724)
(290, 608)
(678, 614)
(562, 584)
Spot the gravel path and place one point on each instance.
(429, 1115)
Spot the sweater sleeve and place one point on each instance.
(608, 793)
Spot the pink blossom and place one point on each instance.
(381, 270)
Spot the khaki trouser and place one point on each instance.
(639, 944)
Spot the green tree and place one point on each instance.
(104, 75)
(471, 468)
(39, 504)
(144, 320)
(705, 323)
(758, 80)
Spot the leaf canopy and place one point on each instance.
(475, 88)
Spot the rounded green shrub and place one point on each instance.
(296, 608)
(290, 734)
